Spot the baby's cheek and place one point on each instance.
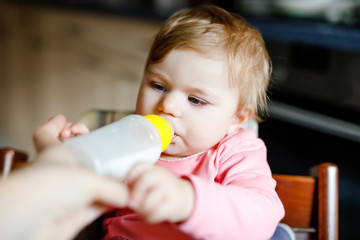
(207, 138)
(198, 141)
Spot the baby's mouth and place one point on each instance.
(173, 138)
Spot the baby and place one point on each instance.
(207, 73)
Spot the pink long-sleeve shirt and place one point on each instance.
(235, 196)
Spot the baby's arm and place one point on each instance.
(242, 204)
(157, 195)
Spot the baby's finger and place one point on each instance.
(159, 213)
(154, 198)
(137, 170)
(140, 187)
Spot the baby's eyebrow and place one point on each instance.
(204, 92)
(157, 75)
(198, 90)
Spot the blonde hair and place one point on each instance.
(217, 33)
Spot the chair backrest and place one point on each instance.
(311, 202)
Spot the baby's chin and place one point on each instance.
(169, 157)
(171, 154)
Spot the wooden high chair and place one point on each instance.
(311, 202)
(11, 159)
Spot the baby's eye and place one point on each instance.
(196, 101)
(159, 87)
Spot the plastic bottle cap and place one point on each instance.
(164, 129)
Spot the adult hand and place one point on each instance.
(55, 130)
(157, 195)
(53, 197)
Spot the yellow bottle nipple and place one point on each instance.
(164, 128)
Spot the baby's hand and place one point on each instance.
(157, 195)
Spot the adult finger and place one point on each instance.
(79, 129)
(106, 190)
(48, 133)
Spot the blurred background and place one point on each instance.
(72, 56)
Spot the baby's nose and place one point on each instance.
(171, 104)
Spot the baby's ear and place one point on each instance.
(241, 117)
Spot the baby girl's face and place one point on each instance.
(192, 92)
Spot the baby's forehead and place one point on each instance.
(202, 65)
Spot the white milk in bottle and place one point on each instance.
(113, 149)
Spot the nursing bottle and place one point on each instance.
(113, 149)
